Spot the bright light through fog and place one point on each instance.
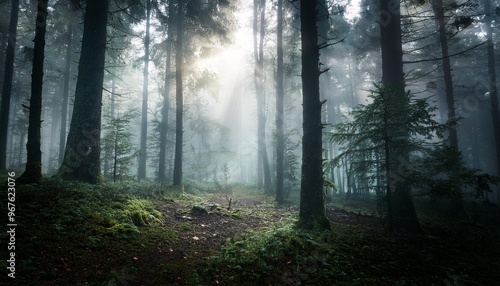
(352, 10)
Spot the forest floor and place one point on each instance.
(146, 234)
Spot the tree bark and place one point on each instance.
(82, 153)
(7, 83)
(495, 114)
(280, 136)
(166, 96)
(33, 171)
(312, 213)
(141, 173)
(405, 218)
(179, 106)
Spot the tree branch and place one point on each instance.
(438, 59)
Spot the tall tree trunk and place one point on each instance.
(263, 167)
(33, 171)
(312, 202)
(7, 83)
(457, 207)
(280, 136)
(107, 151)
(179, 107)
(166, 95)
(437, 6)
(266, 169)
(82, 153)
(260, 180)
(54, 128)
(67, 79)
(403, 210)
(493, 86)
(141, 173)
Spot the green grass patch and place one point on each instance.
(348, 255)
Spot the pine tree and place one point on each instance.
(117, 142)
(405, 216)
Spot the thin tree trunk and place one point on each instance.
(312, 202)
(141, 173)
(256, 7)
(82, 153)
(266, 169)
(179, 107)
(7, 83)
(457, 206)
(438, 8)
(54, 128)
(280, 136)
(493, 87)
(107, 150)
(33, 172)
(166, 95)
(67, 79)
(404, 215)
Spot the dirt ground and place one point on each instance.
(205, 232)
(192, 230)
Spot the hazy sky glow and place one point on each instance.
(352, 10)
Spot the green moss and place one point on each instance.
(140, 212)
(122, 229)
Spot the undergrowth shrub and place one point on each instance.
(276, 254)
(90, 214)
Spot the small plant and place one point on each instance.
(118, 149)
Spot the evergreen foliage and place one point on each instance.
(432, 167)
(118, 147)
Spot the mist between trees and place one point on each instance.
(254, 92)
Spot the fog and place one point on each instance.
(220, 103)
